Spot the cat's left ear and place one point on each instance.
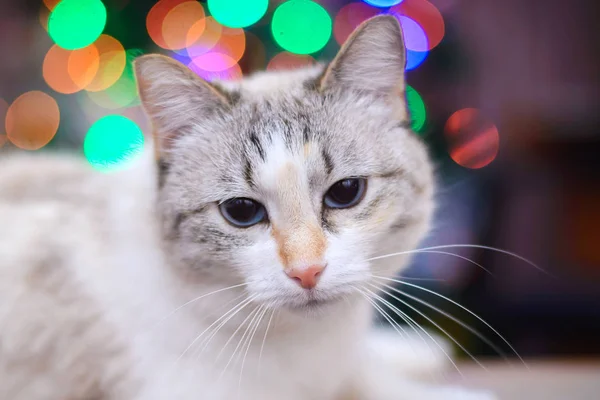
(372, 61)
(174, 97)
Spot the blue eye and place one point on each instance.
(345, 193)
(242, 212)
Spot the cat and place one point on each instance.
(231, 261)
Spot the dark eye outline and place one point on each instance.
(329, 202)
(260, 216)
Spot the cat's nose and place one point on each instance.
(306, 277)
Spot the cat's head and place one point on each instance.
(291, 181)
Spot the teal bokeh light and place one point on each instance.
(237, 13)
(112, 142)
(75, 24)
(301, 26)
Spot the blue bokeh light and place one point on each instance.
(415, 58)
(383, 3)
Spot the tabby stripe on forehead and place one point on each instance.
(254, 140)
(328, 161)
(248, 174)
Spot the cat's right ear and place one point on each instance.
(373, 61)
(173, 96)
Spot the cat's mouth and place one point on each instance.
(314, 303)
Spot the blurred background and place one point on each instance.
(505, 93)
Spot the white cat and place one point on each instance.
(232, 261)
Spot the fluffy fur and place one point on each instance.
(101, 274)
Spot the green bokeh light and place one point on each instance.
(301, 26)
(237, 13)
(112, 142)
(416, 108)
(75, 24)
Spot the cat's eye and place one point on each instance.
(243, 212)
(345, 193)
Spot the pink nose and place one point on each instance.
(306, 277)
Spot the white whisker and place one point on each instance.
(407, 318)
(256, 326)
(250, 315)
(384, 314)
(458, 305)
(239, 307)
(193, 301)
(453, 318)
(434, 324)
(450, 246)
(262, 346)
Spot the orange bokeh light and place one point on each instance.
(427, 16)
(179, 22)
(287, 61)
(50, 4)
(156, 17)
(43, 17)
(473, 140)
(203, 37)
(3, 109)
(232, 43)
(68, 71)
(32, 120)
(112, 59)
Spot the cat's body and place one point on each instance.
(100, 274)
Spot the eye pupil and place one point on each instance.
(242, 212)
(345, 193)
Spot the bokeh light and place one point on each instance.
(213, 62)
(232, 43)
(32, 120)
(68, 71)
(111, 63)
(179, 21)
(288, 61)
(112, 142)
(75, 24)
(123, 93)
(156, 17)
(50, 4)
(238, 13)
(427, 16)
(383, 3)
(349, 17)
(416, 108)
(214, 54)
(232, 73)
(415, 58)
(414, 36)
(473, 140)
(203, 37)
(3, 109)
(301, 26)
